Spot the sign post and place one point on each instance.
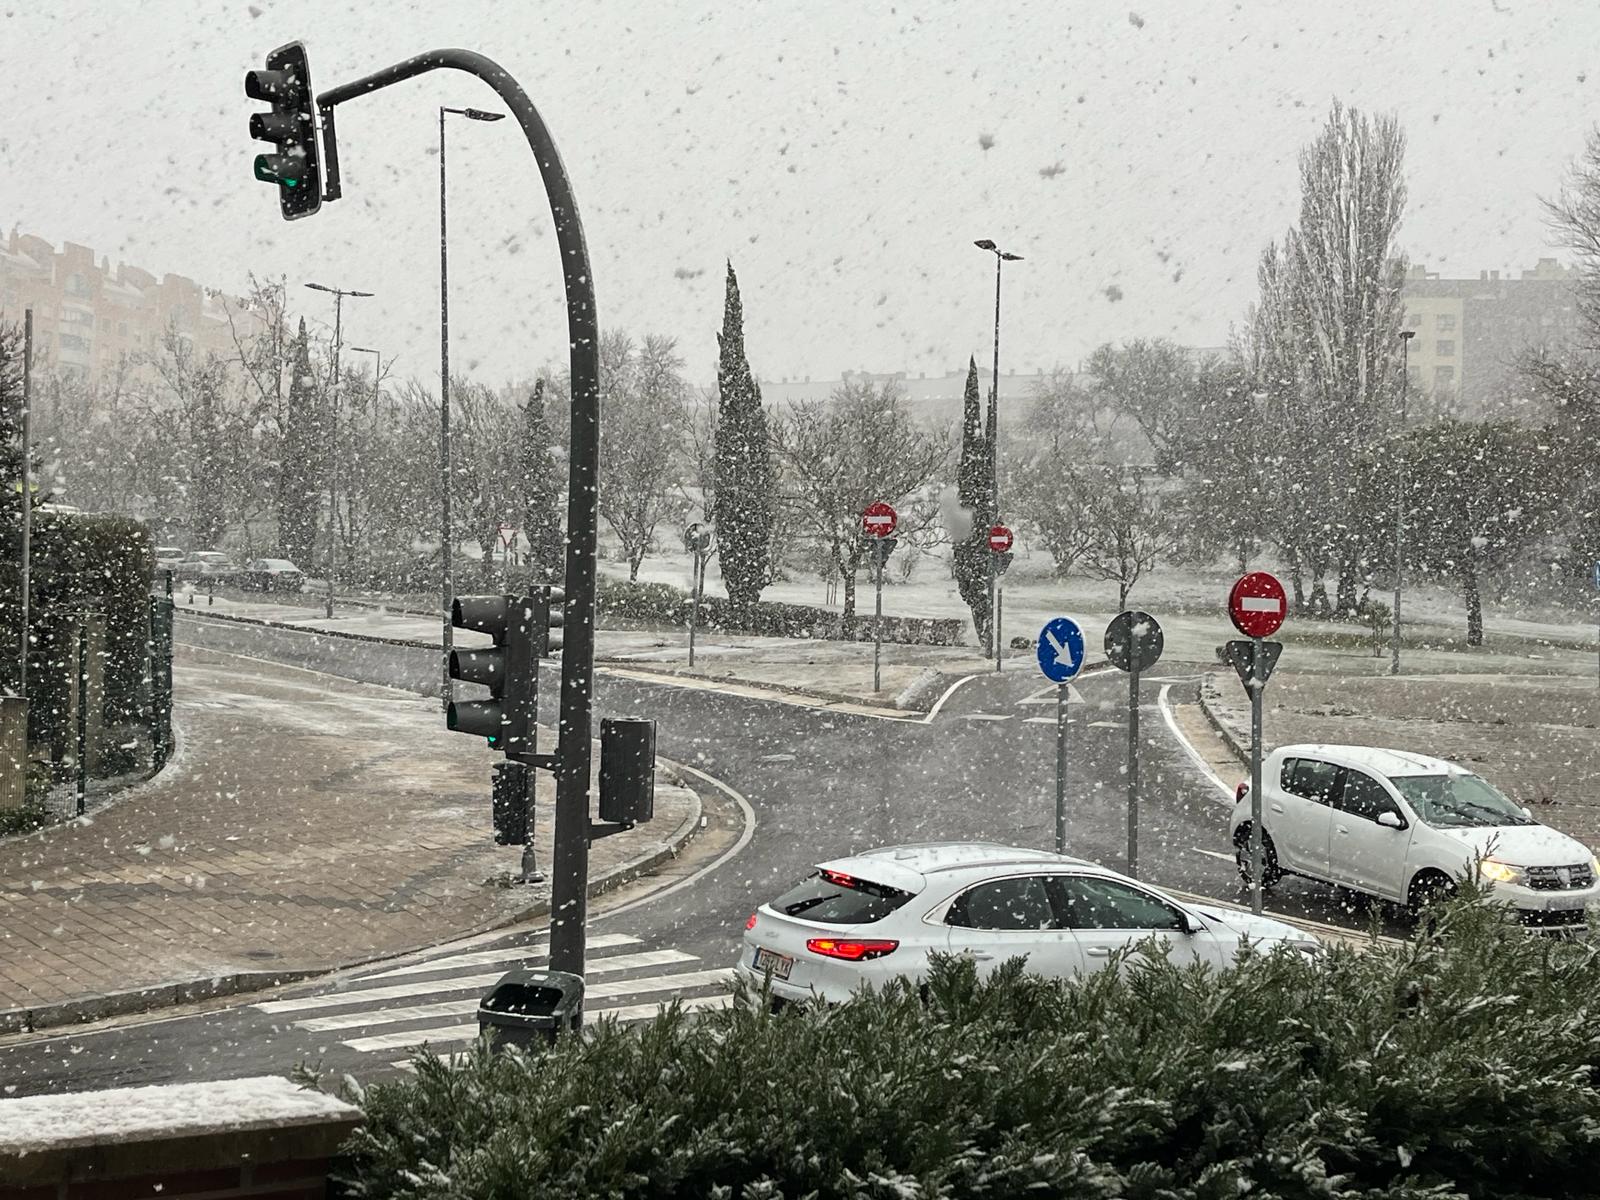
(1060, 652)
(1597, 619)
(697, 541)
(999, 546)
(1134, 642)
(1257, 605)
(878, 520)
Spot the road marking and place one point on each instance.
(537, 949)
(985, 717)
(461, 983)
(1108, 724)
(467, 1033)
(1048, 696)
(1189, 748)
(467, 1008)
(1228, 858)
(948, 692)
(1039, 721)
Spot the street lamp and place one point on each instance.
(338, 295)
(445, 537)
(377, 376)
(1400, 491)
(992, 432)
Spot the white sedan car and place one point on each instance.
(1403, 827)
(879, 915)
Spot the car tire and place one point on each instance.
(1427, 889)
(1270, 871)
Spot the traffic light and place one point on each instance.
(508, 669)
(548, 617)
(291, 126)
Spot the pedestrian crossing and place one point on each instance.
(435, 1001)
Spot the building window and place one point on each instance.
(1444, 377)
(122, 329)
(1413, 321)
(71, 341)
(1445, 348)
(1445, 322)
(77, 285)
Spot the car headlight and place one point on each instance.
(1500, 872)
(1594, 866)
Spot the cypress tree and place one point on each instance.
(298, 457)
(745, 503)
(540, 482)
(975, 494)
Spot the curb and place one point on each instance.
(85, 1009)
(1229, 738)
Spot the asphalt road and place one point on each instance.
(820, 783)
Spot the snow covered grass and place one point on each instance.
(1456, 1064)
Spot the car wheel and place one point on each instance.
(1427, 890)
(1270, 871)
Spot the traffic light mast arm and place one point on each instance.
(569, 901)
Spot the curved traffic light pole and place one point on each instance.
(570, 871)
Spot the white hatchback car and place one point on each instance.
(879, 915)
(1404, 827)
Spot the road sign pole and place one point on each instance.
(877, 618)
(994, 580)
(697, 581)
(1256, 688)
(1061, 767)
(1133, 760)
(999, 610)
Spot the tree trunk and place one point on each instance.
(849, 593)
(1296, 581)
(1345, 599)
(633, 566)
(1123, 588)
(1469, 592)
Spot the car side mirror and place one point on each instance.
(1391, 819)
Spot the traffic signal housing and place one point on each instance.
(508, 669)
(291, 126)
(548, 619)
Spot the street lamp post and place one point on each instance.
(1400, 491)
(446, 536)
(377, 377)
(992, 433)
(333, 432)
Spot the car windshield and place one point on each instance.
(834, 898)
(1459, 801)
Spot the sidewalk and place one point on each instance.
(306, 823)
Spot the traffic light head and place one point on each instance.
(507, 668)
(285, 83)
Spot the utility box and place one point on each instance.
(627, 770)
(531, 1007)
(510, 803)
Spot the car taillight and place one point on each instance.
(851, 949)
(1240, 791)
(751, 923)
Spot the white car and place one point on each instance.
(879, 915)
(1403, 827)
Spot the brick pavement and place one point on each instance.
(1536, 737)
(307, 822)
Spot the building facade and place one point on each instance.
(99, 324)
(1470, 333)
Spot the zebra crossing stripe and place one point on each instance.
(461, 983)
(506, 954)
(464, 1008)
(446, 1034)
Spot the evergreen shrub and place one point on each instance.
(1463, 1063)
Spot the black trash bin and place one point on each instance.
(530, 1007)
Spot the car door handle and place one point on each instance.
(1277, 808)
(1344, 829)
(1098, 952)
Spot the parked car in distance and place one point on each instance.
(204, 565)
(168, 558)
(1404, 827)
(272, 575)
(879, 915)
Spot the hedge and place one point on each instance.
(1464, 1063)
(79, 561)
(663, 604)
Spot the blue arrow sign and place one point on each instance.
(1597, 576)
(1060, 649)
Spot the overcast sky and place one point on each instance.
(844, 155)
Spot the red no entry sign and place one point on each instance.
(999, 539)
(879, 519)
(1257, 604)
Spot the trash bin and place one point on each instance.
(529, 1007)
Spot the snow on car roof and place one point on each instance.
(1377, 759)
(907, 867)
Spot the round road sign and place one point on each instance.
(1060, 649)
(1257, 604)
(1134, 641)
(999, 539)
(879, 519)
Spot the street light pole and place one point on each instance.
(992, 433)
(1400, 492)
(27, 492)
(333, 433)
(446, 534)
(377, 377)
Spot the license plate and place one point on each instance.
(1564, 903)
(779, 964)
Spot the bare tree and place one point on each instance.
(646, 403)
(1130, 530)
(839, 456)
